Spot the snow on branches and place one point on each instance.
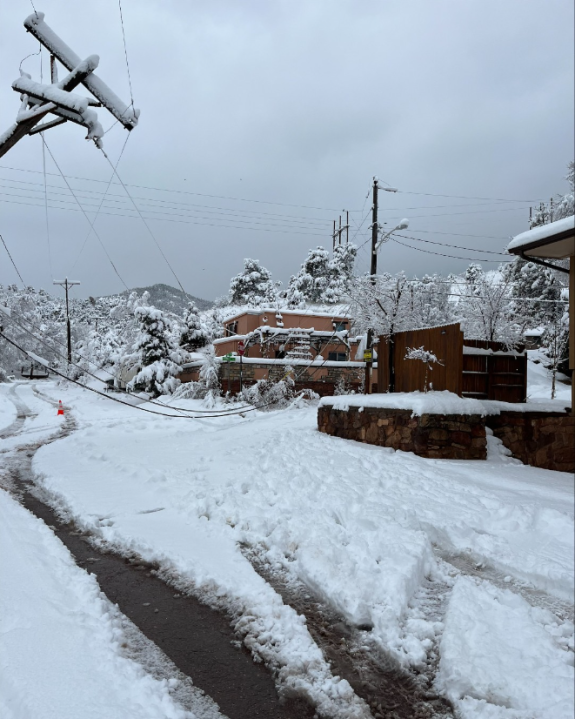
(253, 286)
(423, 355)
(155, 353)
(322, 279)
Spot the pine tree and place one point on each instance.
(253, 285)
(157, 357)
(311, 281)
(210, 377)
(194, 334)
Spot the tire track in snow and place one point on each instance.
(390, 691)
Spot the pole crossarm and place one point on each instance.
(57, 98)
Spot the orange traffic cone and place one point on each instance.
(60, 408)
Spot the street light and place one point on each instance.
(403, 225)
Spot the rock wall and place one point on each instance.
(429, 435)
(541, 440)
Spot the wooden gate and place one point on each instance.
(469, 368)
(396, 374)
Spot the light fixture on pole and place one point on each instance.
(403, 225)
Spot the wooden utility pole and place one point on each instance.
(66, 284)
(337, 232)
(368, 353)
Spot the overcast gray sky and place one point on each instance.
(261, 121)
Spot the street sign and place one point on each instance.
(367, 356)
(228, 358)
(241, 348)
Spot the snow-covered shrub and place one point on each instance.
(190, 390)
(268, 395)
(3, 375)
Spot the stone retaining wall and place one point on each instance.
(541, 440)
(429, 435)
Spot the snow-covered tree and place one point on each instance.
(559, 207)
(536, 293)
(210, 377)
(484, 308)
(382, 303)
(321, 278)
(253, 285)
(194, 335)
(430, 302)
(156, 354)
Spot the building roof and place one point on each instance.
(555, 240)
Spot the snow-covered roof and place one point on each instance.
(335, 311)
(560, 231)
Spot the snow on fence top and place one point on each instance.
(541, 233)
(437, 403)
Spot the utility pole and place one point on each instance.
(375, 245)
(66, 284)
(368, 353)
(339, 231)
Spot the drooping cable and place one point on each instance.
(100, 205)
(145, 223)
(12, 261)
(85, 214)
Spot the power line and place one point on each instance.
(165, 219)
(311, 222)
(84, 213)
(12, 261)
(101, 202)
(169, 211)
(441, 254)
(126, 53)
(457, 247)
(196, 194)
(466, 197)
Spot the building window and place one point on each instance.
(232, 328)
(280, 354)
(337, 357)
(340, 326)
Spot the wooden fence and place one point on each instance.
(469, 368)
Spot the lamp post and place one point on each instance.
(375, 245)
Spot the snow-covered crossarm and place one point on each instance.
(125, 114)
(51, 93)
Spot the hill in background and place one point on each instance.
(169, 299)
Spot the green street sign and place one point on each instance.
(228, 358)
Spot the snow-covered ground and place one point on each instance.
(60, 648)
(371, 531)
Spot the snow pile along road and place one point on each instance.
(61, 637)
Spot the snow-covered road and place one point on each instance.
(370, 531)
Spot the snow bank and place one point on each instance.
(7, 409)
(442, 403)
(502, 658)
(61, 643)
(418, 402)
